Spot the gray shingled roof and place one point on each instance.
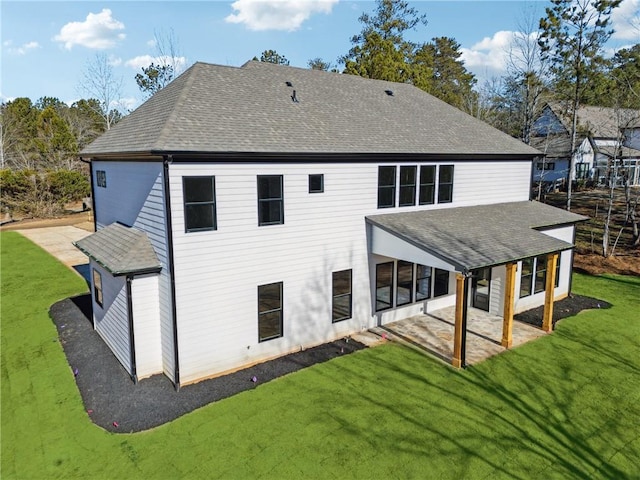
(121, 250)
(480, 236)
(218, 109)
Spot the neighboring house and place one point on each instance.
(606, 147)
(245, 213)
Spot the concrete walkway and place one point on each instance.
(58, 241)
(433, 333)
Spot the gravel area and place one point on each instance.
(115, 403)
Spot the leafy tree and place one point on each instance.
(271, 56)
(572, 37)
(154, 78)
(167, 65)
(54, 140)
(19, 129)
(319, 64)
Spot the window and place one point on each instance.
(386, 187)
(582, 171)
(541, 273)
(97, 287)
(199, 203)
(423, 282)
(270, 200)
(545, 166)
(427, 184)
(269, 311)
(445, 184)
(316, 183)
(441, 283)
(407, 186)
(384, 286)
(526, 277)
(404, 283)
(101, 178)
(341, 291)
(557, 281)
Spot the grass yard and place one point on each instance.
(565, 406)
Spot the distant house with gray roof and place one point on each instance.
(606, 148)
(243, 213)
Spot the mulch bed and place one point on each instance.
(564, 308)
(116, 404)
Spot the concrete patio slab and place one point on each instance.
(433, 333)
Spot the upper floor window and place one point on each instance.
(341, 292)
(407, 185)
(269, 311)
(445, 184)
(316, 183)
(386, 187)
(270, 200)
(427, 184)
(199, 203)
(101, 178)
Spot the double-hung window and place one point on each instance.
(386, 187)
(407, 186)
(199, 203)
(526, 277)
(427, 184)
(269, 311)
(404, 283)
(445, 184)
(541, 273)
(384, 286)
(270, 200)
(97, 287)
(341, 293)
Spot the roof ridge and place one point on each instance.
(168, 124)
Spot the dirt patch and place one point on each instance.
(82, 220)
(567, 307)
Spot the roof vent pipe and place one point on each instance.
(289, 84)
(389, 92)
(294, 97)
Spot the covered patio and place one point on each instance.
(434, 333)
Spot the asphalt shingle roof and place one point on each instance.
(480, 236)
(218, 109)
(120, 250)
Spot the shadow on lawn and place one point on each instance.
(529, 413)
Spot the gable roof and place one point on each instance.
(219, 109)
(121, 250)
(480, 236)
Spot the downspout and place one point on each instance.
(167, 208)
(132, 342)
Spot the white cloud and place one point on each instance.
(99, 31)
(22, 49)
(626, 21)
(277, 14)
(490, 53)
(114, 61)
(142, 61)
(152, 43)
(128, 103)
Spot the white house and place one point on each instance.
(245, 213)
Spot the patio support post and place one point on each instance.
(547, 319)
(507, 317)
(458, 359)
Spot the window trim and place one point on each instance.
(101, 178)
(321, 177)
(280, 200)
(334, 296)
(212, 203)
(390, 286)
(422, 201)
(391, 187)
(418, 278)
(98, 291)
(441, 184)
(408, 186)
(537, 271)
(280, 309)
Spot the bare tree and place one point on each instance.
(100, 83)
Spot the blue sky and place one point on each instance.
(47, 45)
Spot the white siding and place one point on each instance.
(146, 325)
(218, 272)
(111, 320)
(134, 196)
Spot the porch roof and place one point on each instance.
(467, 238)
(121, 250)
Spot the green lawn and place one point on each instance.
(565, 406)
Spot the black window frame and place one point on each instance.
(540, 274)
(420, 280)
(389, 286)
(269, 201)
(527, 275)
(438, 273)
(101, 178)
(337, 296)
(98, 291)
(445, 186)
(315, 177)
(408, 186)
(557, 279)
(387, 187)
(200, 203)
(427, 190)
(404, 284)
(265, 313)
(545, 166)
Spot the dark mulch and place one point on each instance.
(564, 308)
(115, 403)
